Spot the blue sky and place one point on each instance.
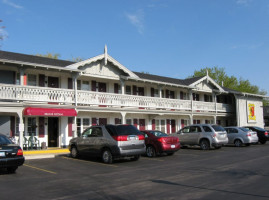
(164, 37)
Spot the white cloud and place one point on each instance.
(10, 3)
(137, 19)
(243, 2)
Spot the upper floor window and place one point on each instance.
(155, 92)
(31, 80)
(208, 98)
(128, 90)
(184, 96)
(195, 96)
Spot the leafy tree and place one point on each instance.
(231, 82)
(50, 55)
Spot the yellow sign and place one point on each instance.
(251, 112)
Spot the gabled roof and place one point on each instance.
(31, 59)
(106, 58)
(209, 79)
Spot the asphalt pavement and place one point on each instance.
(227, 173)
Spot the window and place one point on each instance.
(128, 90)
(78, 126)
(86, 123)
(195, 129)
(31, 126)
(129, 121)
(31, 80)
(157, 125)
(85, 85)
(207, 129)
(93, 132)
(186, 130)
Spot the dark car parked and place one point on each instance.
(158, 142)
(11, 155)
(109, 142)
(262, 133)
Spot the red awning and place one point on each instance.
(50, 112)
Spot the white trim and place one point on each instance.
(209, 79)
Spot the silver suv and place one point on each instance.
(109, 142)
(204, 135)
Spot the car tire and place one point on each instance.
(204, 144)
(74, 152)
(11, 170)
(150, 151)
(262, 141)
(107, 156)
(238, 143)
(135, 158)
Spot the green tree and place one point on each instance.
(231, 82)
(50, 55)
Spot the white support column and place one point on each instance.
(122, 82)
(215, 119)
(21, 128)
(191, 119)
(123, 119)
(160, 90)
(21, 76)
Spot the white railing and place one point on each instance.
(56, 95)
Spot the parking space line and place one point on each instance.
(44, 170)
(86, 161)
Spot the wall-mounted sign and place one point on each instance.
(251, 112)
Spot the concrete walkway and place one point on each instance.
(47, 153)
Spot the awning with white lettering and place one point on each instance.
(50, 112)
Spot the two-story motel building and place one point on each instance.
(55, 100)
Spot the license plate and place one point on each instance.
(2, 154)
(173, 146)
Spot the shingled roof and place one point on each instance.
(5, 55)
(167, 79)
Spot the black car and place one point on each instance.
(262, 133)
(109, 142)
(11, 155)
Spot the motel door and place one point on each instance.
(53, 132)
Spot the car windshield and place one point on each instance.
(4, 140)
(218, 128)
(244, 129)
(158, 133)
(122, 130)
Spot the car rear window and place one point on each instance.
(218, 128)
(122, 130)
(259, 129)
(158, 133)
(4, 140)
(244, 129)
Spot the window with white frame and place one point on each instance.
(160, 125)
(31, 80)
(156, 93)
(82, 124)
(85, 85)
(31, 126)
(128, 90)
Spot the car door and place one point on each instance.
(91, 141)
(194, 134)
(183, 135)
(230, 135)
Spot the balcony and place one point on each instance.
(66, 96)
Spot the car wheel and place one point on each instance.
(262, 141)
(11, 170)
(204, 145)
(238, 143)
(107, 156)
(74, 152)
(150, 151)
(135, 158)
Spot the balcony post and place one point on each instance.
(21, 128)
(123, 119)
(122, 82)
(21, 76)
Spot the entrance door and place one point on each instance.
(53, 132)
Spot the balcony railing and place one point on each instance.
(67, 96)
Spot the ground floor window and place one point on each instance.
(31, 126)
(160, 125)
(129, 121)
(82, 124)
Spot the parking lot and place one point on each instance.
(227, 173)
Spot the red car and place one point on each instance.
(158, 142)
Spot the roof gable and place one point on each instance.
(209, 81)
